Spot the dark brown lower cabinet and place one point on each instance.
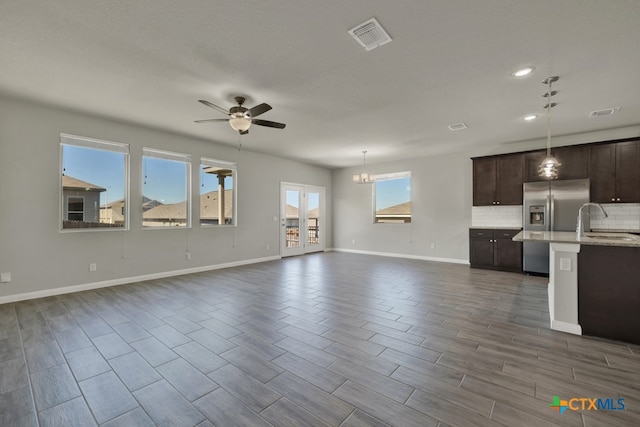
(608, 292)
(494, 249)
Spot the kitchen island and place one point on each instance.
(593, 283)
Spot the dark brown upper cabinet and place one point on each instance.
(497, 180)
(574, 160)
(532, 161)
(615, 172)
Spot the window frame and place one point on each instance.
(233, 166)
(170, 156)
(96, 144)
(388, 177)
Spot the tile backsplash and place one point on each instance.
(496, 216)
(622, 216)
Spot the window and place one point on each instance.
(75, 208)
(166, 200)
(392, 198)
(217, 192)
(94, 183)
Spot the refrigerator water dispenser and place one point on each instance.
(536, 215)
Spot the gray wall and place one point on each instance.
(441, 210)
(40, 258)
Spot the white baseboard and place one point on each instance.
(396, 255)
(125, 280)
(571, 328)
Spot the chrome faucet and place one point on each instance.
(580, 227)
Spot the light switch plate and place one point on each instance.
(565, 264)
(5, 277)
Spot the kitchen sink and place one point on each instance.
(626, 238)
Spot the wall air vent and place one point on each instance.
(457, 126)
(605, 112)
(370, 34)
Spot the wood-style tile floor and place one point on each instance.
(329, 339)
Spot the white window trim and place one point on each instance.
(227, 165)
(99, 144)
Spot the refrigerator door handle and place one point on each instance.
(551, 211)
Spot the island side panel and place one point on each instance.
(609, 292)
(563, 287)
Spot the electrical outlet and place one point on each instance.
(353, 242)
(187, 255)
(5, 277)
(93, 266)
(565, 264)
(433, 246)
(267, 247)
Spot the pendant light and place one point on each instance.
(364, 177)
(548, 169)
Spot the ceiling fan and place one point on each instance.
(241, 118)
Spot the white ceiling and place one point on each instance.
(149, 61)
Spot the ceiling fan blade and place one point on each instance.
(268, 123)
(214, 106)
(259, 109)
(211, 120)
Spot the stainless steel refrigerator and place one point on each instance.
(550, 206)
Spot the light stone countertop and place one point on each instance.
(600, 239)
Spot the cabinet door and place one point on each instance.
(510, 172)
(532, 162)
(602, 173)
(508, 254)
(484, 181)
(575, 162)
(481, 252)
(628, 172)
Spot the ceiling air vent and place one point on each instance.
(457, 126)
(370, 34)
(605, 112)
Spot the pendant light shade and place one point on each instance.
(364, 177)
(548, 169)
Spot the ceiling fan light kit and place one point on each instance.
(241, 118)
(240, 122)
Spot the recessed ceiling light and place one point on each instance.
(530, 117)
(523, 72)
